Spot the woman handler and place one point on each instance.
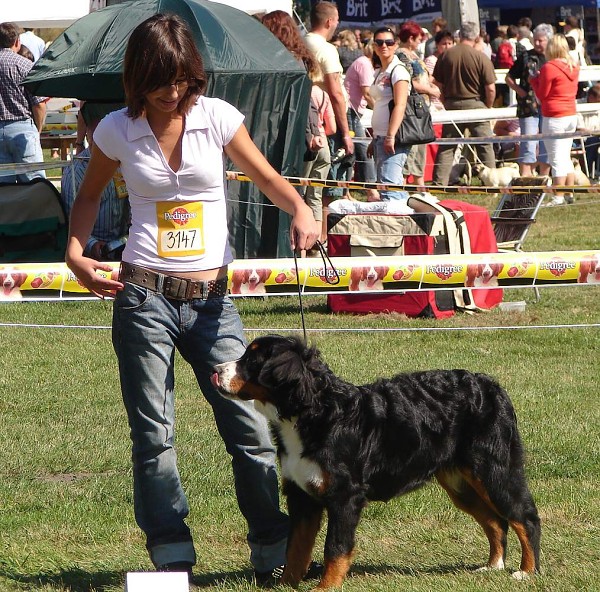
(169, 142)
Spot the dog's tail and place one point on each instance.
(493, 420)
(496, 448)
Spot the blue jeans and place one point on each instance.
(147, 327)
(20, 143)
(365, 166)
(592, 145)
(390, 168)
(336, 173)
(532, 151)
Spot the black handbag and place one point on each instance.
(416, 126)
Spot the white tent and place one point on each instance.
(62, 13)
(34, 14)
(259, 6)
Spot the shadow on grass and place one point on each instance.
(78, 580)
(361, 569)
(74, 580)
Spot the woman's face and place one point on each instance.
(165, 99)
(413, 42)
(384, 45)
(444, 45)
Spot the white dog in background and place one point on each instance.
(498, 177)
(581, 179)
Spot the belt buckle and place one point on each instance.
(190, 288)
(204, 290)
(173, 288)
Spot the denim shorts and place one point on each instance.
(20, 143)
(390, 169)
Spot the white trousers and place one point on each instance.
(559, 151)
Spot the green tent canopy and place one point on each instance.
(246, 66)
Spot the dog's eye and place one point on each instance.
(253, 364)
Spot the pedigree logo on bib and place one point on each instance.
(180, 228)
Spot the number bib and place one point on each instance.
(180, 228)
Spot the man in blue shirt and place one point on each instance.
(109, 235)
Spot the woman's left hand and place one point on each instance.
(389, 144)
(303, 230)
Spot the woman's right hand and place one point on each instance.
(85, 269)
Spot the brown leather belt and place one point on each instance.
(171, 286)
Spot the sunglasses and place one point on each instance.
(382, 42)
(180, 85)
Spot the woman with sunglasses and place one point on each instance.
(170, 142)
(392, 81)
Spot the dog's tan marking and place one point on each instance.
(335, 571)
(246, 390)
(254, 391)
(300, 547)
(469, 500)
(527, 554)
(479, 487)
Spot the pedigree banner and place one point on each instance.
(367, 13)
(260, 277)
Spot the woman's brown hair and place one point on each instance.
(158, 51)
(282, 25)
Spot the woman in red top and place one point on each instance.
(556, 89)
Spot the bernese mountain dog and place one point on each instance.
(341, 446)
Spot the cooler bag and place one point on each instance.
(362, 234)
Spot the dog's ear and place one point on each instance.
(291, 375)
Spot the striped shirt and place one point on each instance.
(15, 100)
(112, 223)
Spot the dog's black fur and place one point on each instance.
(380, 440)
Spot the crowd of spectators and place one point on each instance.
(458, 70)
(451, 69)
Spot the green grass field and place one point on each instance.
(66, 519)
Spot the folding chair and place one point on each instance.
(515, 214)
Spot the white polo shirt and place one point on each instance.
(178, 218)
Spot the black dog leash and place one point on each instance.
(335, 279)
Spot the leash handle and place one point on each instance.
(326, 260)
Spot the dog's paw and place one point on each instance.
(491, 567)
(521, 576)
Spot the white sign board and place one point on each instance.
(159, 581)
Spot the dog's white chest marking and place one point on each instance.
(304, 472)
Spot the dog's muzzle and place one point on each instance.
(223, 375)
